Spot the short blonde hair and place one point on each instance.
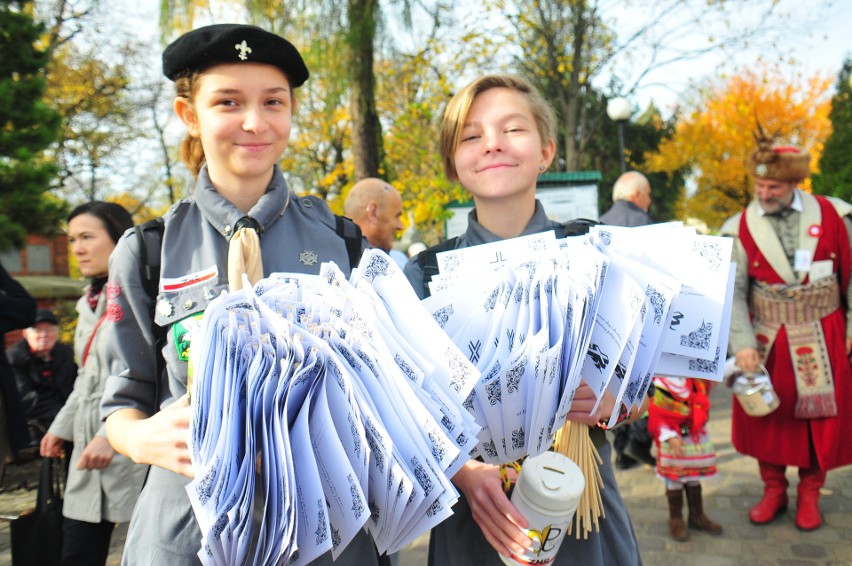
(455, 114)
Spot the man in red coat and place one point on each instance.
(790, 314)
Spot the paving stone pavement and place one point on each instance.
(727, 500)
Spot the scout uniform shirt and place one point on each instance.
(297, 235)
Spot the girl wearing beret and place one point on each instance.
(235, 94)
(497, 136)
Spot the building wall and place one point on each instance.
(42, 255)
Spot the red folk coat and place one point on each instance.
(780, 438)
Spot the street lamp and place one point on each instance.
(618, 109)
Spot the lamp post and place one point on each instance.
(618, 109)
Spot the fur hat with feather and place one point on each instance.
(780, 162)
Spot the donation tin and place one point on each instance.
(548, 490)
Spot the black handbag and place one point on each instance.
(37, 535)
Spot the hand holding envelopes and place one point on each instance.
(539, 316)
(552, 313)
(323, 406)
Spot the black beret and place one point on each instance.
(232, 43)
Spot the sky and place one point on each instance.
(815, 42)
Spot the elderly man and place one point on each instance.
(376, 207)
(631, 199)
(44, 371)
(791, 314)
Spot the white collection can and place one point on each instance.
(547, 493)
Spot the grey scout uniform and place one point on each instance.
(297, 235)
(459, 541)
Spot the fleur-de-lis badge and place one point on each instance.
(243, 49)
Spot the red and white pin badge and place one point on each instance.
(815, 230)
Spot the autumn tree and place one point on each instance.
(412, 93)
(572, 48)
(714, 140)
(100, 119)
(835, 165)
(89, 83)
(558, 40)
(29, 126)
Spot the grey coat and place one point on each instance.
(94, 495)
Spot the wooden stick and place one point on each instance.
(573, 441)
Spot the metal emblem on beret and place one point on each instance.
(761, 169)
(308, 257)
(244, 50)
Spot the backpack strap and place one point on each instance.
(352, 237)
(427, 260)
(150, 237)
(575, 227)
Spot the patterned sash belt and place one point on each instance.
(796, 304)
(799, 309)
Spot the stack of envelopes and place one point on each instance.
(537, 316)
(323, 406)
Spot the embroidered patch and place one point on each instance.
(112, 290)
(806, 364)
(114, 313)
(815, 230)
(183, 332)
(189, 280)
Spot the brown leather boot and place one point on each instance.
(697, 519)
(774, 500)
(677, 527)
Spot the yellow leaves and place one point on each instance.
(716, 138)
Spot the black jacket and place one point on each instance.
(17, 310)
(43, 386)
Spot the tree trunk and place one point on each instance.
(572, 116)
(367, 148)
